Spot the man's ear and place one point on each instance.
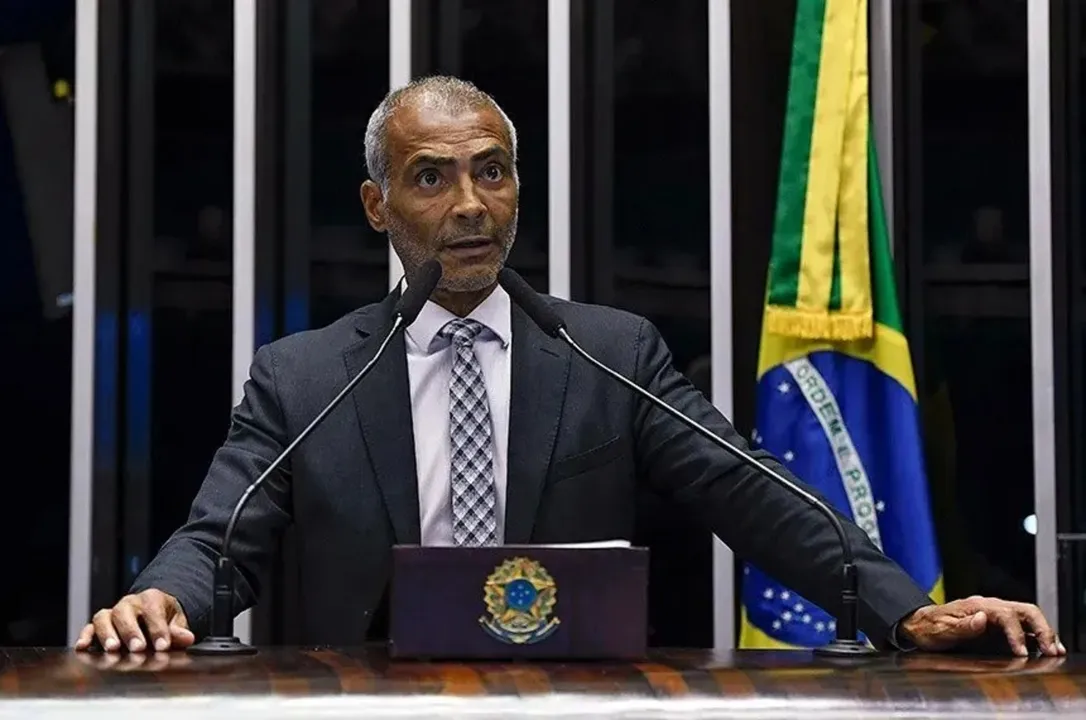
(373, 200)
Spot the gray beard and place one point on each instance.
(413, 255)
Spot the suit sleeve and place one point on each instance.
(184, 567)
(759, 519)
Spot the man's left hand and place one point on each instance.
(942, 627)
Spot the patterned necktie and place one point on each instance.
(472, 469)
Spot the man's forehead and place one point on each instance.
(415, 125)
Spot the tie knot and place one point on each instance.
(462, 331)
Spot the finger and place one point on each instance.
(973, 603)
(126, 619)
(85, 637)
(154, 617)
(1046, 636)
(179, 631)
(181, 637)
(107, 634)
(970, 626)
(1012, 628)
(178, 618)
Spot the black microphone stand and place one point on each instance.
(222, 640)
(846, 644)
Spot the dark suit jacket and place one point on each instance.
(580, 449)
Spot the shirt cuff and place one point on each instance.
(898, 641)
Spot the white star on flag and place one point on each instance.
(820, 626)
(784, 387)
(880, 506)
(776, 624)
(786, 616)
(807, 619)
(789, 456)
(798, 607)
(785, 595)
(768, 594)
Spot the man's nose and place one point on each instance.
(469, 206)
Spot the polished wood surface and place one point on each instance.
(301, 682)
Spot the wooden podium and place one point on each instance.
(519, 602)
(362, 682)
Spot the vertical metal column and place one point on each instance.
(83, 314)
(881, 88)
(601, 147)
(244, 300)
(1041, 311)
(138, 261)
(297, 163)
(399, 74)
(558, 147)
(720, 283)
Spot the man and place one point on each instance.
(477, 428)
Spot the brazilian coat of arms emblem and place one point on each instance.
(520, 596)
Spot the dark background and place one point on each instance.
(640, 235)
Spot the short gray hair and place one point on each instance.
(449, 93)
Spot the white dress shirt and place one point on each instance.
(429, 370)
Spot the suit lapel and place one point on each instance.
(540, 373)
(383, 404)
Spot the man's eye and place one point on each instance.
(428, 178)
(493, 173)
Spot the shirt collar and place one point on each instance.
(494, 313)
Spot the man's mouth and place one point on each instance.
(469, 243)
(471, 249)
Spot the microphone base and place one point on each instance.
(221, 645)
(846, 649)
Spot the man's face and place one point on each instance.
(452, 195)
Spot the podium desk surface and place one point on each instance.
(365, 682)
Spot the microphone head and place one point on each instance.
(419, 289)
(531, 302)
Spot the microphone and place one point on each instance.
(846, 643)
(221, 640)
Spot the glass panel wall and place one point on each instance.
(188, 385)
(502, 48)
(323, 67)
(348, 261)
(965, 173)
(1068, 37)
(640, 236)
(37, 85)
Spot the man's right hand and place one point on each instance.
(119, 627)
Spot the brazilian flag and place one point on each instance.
(836, 399)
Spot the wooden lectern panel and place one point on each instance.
(282, 682)
(518, 603)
